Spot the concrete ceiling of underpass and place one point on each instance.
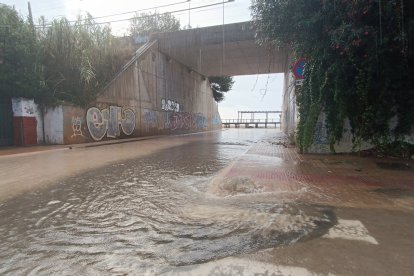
(225, 50)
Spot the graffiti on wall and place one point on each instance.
(29, 110)
(76, 126)
(215, 121)
(169, 105)
(200, 121)
(110, 121)
(150, 119)
(185, 121)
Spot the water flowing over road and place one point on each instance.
(149, 214)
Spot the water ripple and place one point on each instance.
(148, 214)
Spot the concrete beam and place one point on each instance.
(225, 50)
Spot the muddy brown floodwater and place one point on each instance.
(149, 215)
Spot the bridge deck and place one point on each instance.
(225, 50)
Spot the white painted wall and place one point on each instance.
(28, 108)
(321, 139)
(23, 107)
(53, 119)
(321, 142)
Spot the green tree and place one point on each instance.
(19, 68)
(78, 59)
(57, 62)
(145, 24)
(360, 57)
(220, 85)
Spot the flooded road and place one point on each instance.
(149, 214)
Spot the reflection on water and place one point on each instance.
(147, 215)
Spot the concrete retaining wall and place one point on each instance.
(290, 119)
(154, 95)
(321, 139)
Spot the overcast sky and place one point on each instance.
(263, 92)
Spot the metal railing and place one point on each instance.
(250, 121)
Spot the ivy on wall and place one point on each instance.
(360, 58)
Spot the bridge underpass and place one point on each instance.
(164, 88)
(218, 202)
(230, 50)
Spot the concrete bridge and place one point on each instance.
(163, 89)
(231, 50)
(225, 50)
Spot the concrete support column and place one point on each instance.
(289, 116)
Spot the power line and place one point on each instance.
(138, 17)
(117, 14)
(152, 8)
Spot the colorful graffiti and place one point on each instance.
(76, 126)
(200, 121)
(150, 119)
(169, 105)
(107, 121)
(185, 121)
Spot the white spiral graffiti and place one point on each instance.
(101, 122)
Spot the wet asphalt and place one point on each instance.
(217, 203)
